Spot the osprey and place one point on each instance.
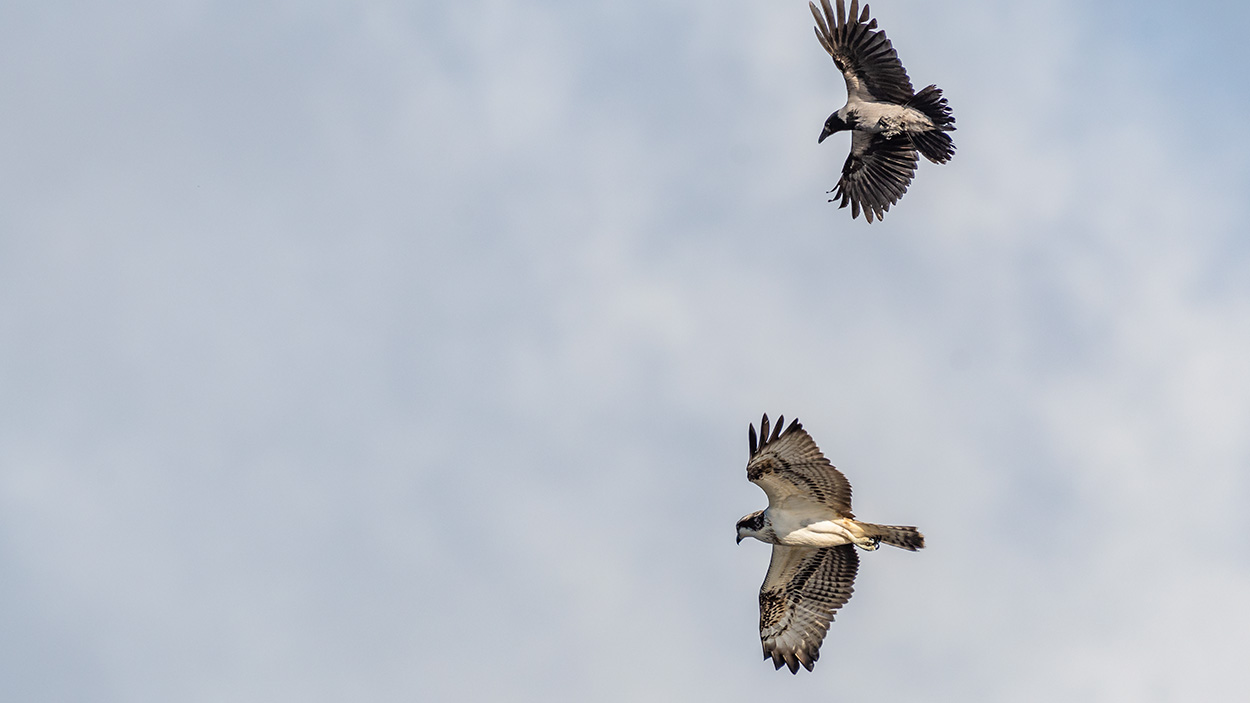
(889, 122)
(809, 523)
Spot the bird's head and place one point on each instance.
(753, 525)
(834, 124)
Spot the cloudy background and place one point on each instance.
(399, 351)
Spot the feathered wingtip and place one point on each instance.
(764, 437)
(792, 660)
(863, 16)
(828, 24)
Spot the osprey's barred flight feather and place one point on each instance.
(814, 534)
(889, 122)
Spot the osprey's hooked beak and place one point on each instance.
(739, 540)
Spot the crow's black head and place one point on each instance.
(832, 125)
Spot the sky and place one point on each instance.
(400, 351)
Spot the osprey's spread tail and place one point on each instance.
(935, 145)
(900, 536)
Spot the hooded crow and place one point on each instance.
(889, 122)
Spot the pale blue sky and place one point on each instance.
(405, 351)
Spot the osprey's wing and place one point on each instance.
(788, 463)
(863, 53)
(876, 173)
(804, 587)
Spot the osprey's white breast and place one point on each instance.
(804, 523)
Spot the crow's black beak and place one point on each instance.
(824, 133)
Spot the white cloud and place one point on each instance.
(387, 360)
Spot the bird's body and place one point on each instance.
(814, 535)
(889, 121)
(801, 526)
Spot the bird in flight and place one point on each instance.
(814, 535)
(889, 122)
